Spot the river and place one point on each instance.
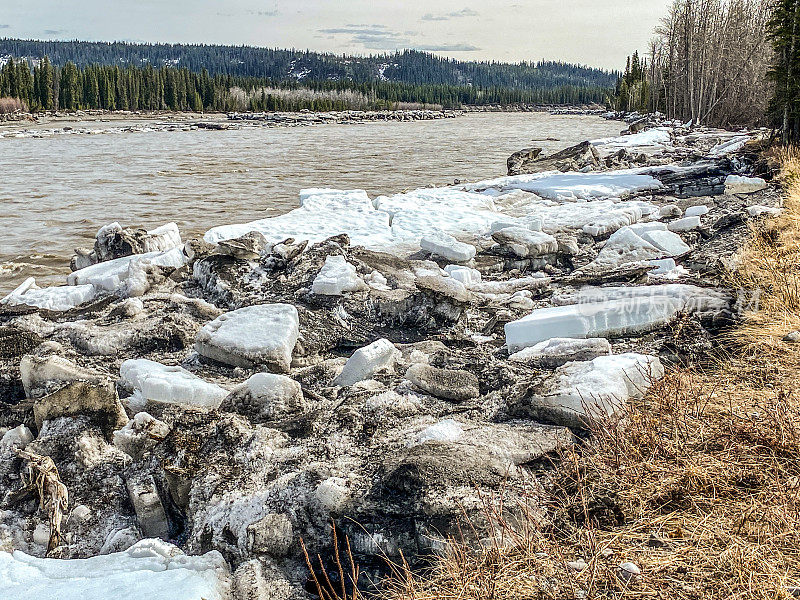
(56, 192)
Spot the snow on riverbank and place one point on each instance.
(148, 570)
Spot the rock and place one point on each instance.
(734, 184)
(96, 401)
(263, 334)
(250, 246)
(366, 361)
(577, 565)
(272, 535)
(43, 375)
(793, 337)
(555, 352)
(525, 243)
(154, 382)
(147, 505)
(446, 247)
(266, 397)
(684, 224)
(450, 384)
(336, 277)
(629, 571)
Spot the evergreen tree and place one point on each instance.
(784, 34)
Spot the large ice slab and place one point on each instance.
(150, 569)
(574, 186)
(264, 334)
(735, 184)
(56, 298)
(173, 385)
(611, 312)
(366, 361)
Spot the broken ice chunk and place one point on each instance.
(366, 361)
(336, 277)
(264, 334)
(172, 385)
(447, 247)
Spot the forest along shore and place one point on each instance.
(391, 364)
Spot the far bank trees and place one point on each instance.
(708, 64)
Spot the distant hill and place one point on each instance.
(408, 67)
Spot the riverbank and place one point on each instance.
(94, 122)
(393, 365)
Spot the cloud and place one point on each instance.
(54, 31)
(4, 26)
(458, 14)
(372, 37)
(448, 48)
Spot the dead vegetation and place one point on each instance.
(41, 476)
(698, 487)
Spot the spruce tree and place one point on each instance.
(784, 33)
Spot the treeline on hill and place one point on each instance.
(409, 66)
(40, 85)
(708, 64)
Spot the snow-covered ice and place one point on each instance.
(172, 385)
(150, 569)
(446, 430)
(758, 210)
(336, 277)
(264, 334)
(56, 298)
(526, 243)
(555, 349)
(574, 186)
(366, 361)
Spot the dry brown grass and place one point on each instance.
(699, 485)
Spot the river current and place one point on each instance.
(56, 192)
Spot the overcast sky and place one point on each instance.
(594, 32)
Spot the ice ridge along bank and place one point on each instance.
(195, 407)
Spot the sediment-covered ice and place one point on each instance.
(56, 298)
(116, 275)
(150, 569)
(264, 334)
(173, 385)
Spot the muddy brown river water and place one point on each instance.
(55, 192)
